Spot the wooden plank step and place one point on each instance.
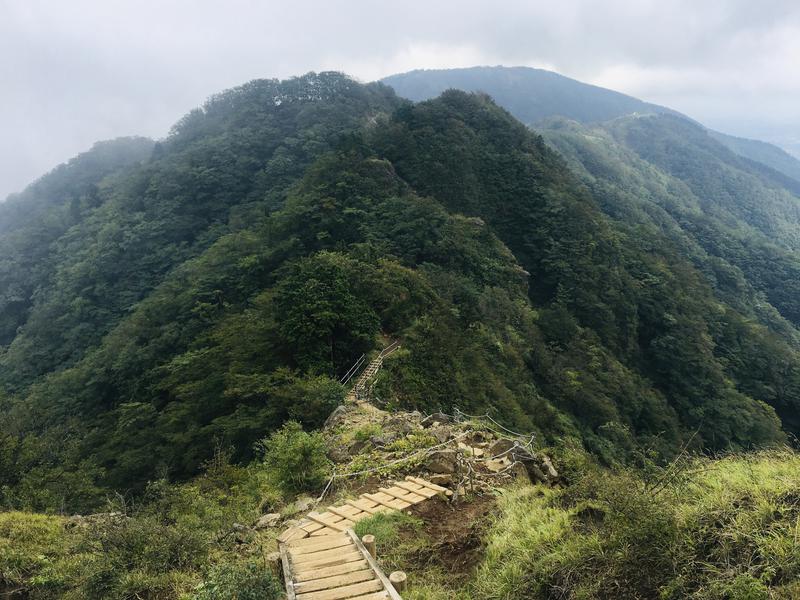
(347, 591)
(404, 495)
(416, 488)
(326, 521)
(301, 559)
(324, 572)
(366, 506)
(428, 484)
(375, 596)
(293, 533)
(387, 501)
(310, 526)
(324, 532)
(348, 513)
(327, 583)
(339, 559)
(302, 543)
(328, 542)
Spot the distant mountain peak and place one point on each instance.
(534, 95)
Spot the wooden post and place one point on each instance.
(399, 580)
(369, 543)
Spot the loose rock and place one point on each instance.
(443, 461)
(267, 521)
(436, 419)
(441, 479)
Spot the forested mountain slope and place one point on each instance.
(762, 152)
(220, 288)
(533, 95)
(529, 94)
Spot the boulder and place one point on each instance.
(443, 461)
(441, 479)
(549, 469)
(438, 418)
(442, 434)
(520, 473)
(501, 447)
(337, 417)
(384, 439)
(267, 521)
(479, 438)
(496, 465)
(403, 423)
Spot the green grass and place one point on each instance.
(386, 527)
(716, 530)
(726, 529)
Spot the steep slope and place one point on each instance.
(222, 287)
(32, 221)
(702, 204)
(762, 152)
(222, 166)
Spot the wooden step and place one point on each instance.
(325, 572)
(328, 542)
(335, 581)
(348, 591)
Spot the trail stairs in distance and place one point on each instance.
(365, 380)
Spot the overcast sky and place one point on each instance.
(73, 72)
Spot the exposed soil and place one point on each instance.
(454, 535)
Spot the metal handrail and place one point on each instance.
(353, 370)
(389, 349)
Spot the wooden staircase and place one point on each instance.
(337, 519)
(333, 567)
(363, 386)
(323, 559)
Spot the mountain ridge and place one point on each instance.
(532, 95)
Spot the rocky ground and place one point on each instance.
(466, 455)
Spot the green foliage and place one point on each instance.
(702, 530)
(157, 547)
(320, 319)
(386, 527)
(295, 460)
(218, 285)
(247, 581)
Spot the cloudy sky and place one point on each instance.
(75, 72)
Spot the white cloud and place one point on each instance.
(74, 72)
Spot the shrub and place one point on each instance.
(704, 530)
(239, 582)
(295, 459)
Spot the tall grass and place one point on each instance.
(726, 529)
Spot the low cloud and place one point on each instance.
(81, 71)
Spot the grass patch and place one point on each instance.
(386, 527)
(727, 529)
